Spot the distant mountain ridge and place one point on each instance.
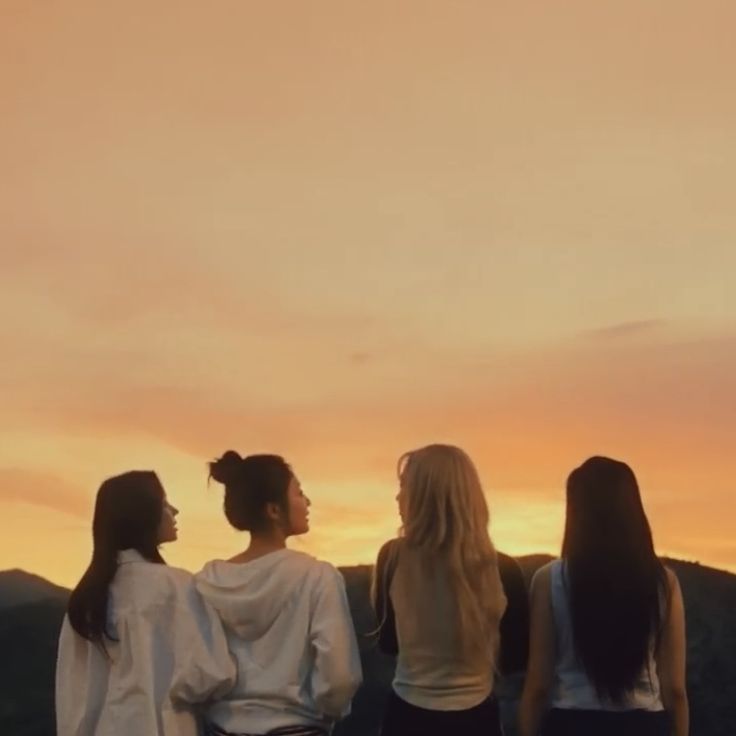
(18, 587)
(31, 611)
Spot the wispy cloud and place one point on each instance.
(627, 329)
(37, 488)
(526, 415)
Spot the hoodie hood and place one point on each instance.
(249, 596)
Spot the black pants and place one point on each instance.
(564, 722)
(403, 719)
(212, 729)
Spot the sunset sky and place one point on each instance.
(338, 231)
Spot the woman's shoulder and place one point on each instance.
(389, 551)
(546, 573)
(317, 578)
(176, 576)
(671, 586)
(181, 581)
(321, 570)
(312, 569)
(306, 561)
(392, 545)
(157, 584)
(670, 576)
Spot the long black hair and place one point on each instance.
(615, 582)
(128, 512)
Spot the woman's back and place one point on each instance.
(607, 639)
(168, 651)
(433, 670)
(573, 687)
(288, 624)
(438, 587)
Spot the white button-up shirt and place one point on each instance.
(170, 654)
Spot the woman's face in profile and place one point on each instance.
(401, 498)
(298, 505)
(167, 531)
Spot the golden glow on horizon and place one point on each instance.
(346, 231)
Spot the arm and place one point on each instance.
(336, 673)
(540, 672)
(671, 659)
(514, 652)
(69, 709)
(81, 681)
(203, 669)
(387, 637)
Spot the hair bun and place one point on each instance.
(228, 468)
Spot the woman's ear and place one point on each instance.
(274, 513)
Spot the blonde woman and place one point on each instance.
(438, 588)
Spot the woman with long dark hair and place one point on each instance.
(138, 647)
(286, 614)
(437, 589)
(607, 653)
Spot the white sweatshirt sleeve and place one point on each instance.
(204, 668)
(337, 672)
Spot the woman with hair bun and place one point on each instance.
(138, 647)
(285, 614)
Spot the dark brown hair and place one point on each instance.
(251, 483)
(615, 582)
(127, 515)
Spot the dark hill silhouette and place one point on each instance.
(31, 610)
(28, 636)
(18, 587)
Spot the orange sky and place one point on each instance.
(339, 231)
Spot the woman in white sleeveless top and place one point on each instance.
(607, 653)
(139, 648)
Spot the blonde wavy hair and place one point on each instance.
(446, 517)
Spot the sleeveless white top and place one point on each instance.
(572, 686)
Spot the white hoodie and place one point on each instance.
(288, 624)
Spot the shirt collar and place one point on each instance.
(130, 555)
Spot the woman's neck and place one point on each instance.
(260, 545)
